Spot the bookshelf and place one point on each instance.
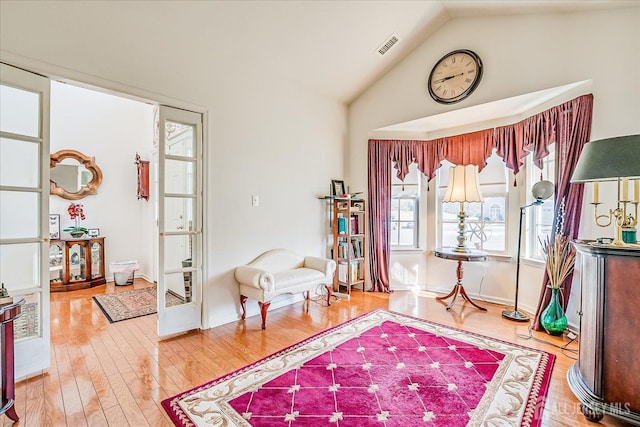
(349, 245)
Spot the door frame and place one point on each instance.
(88, 81)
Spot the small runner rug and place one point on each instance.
(125, 305)
(380, 369)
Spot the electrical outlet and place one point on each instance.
(255, 200)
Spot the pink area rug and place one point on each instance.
(380, 369)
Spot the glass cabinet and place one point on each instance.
(76, 264)
(56, 261)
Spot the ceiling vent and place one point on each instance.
(388, 44)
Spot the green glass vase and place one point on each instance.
(553, 319)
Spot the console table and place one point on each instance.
(76, 264)
(604, 378)
(8, 313)
(471, 255)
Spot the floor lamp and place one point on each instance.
(541, 190)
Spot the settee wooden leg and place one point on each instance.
(264, 306)
(243, 303)
(329, 290)
(307, 295)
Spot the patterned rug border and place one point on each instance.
(535, 400)
(171, 299)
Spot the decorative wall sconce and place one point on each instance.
(143, 177)
(614, 159)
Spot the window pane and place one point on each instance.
(19, 111)
(179, 140)
(27, 256)
(178, 177)
(539, 222)
(20, 215)
(494, 209)
(407, 234)
(394, 234)
(179, 289)
(19, 163)
(485, 223)
(485, 235)
(177, 251)
(449, 234)
(405, 199)
(178, 213)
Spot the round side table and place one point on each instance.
(469, 256)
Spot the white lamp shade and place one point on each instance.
(463, 184)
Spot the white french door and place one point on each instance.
(180, 208)
(24, 223)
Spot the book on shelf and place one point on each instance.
(356, 245)
(354, 224)
(353, 272)
(343, 249)
(342, 225)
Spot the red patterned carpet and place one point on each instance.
(125, 305)
(380, 369)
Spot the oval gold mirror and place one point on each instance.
(73, 175)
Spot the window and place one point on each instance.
(539, 219)
(486, 223)
(404, 210)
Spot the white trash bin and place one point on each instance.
(123, 271)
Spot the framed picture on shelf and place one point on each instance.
(93, 232)
(54, 226)
(337, 187)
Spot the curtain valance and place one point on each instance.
(512, 143)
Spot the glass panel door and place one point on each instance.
(26, 262)
(77, 262)
(96, 260)
(179, 221)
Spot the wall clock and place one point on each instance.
(455, 76)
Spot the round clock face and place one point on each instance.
(455, 76)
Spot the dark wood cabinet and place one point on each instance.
(605, 377)
(76, 264)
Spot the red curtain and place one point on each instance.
(573, 132)
(379, 193)
(568, 124)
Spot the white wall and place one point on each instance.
(263, 135)
(521, 54)
(111, 129)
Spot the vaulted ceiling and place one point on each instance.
(330, 47)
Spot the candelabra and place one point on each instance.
(613, 159)
(623, 218)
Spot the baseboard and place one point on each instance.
(495, 300)
(340, 295)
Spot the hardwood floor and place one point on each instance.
(117, 374)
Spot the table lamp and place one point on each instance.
(613, 159)
(462, 187)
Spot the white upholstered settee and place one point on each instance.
(280, 271)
